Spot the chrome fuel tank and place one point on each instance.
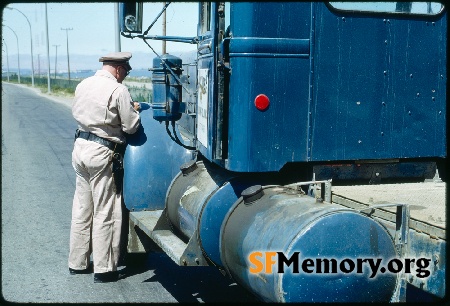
(189, 192)
(198, 200)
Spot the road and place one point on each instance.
(38, 183)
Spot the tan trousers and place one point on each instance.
(96, 211)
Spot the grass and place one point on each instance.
(68, 89)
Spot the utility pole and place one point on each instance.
(7, 61)
(68, 62)
(39, 65)
(18, 60)
(31, 40)
(117, 27)
(164, 30)
(56, 57)
(48, 51)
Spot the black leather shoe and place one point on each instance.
(106, 277)
(84, 271)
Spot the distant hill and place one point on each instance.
(140, 60)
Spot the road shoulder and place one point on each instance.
(65, 100)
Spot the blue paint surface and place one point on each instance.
(151, 161)
(342, 86)
(378, 86)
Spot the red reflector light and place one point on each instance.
(262, 102)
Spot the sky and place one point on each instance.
(92, 34)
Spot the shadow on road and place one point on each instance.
(187, 284)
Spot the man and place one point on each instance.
(104, 111)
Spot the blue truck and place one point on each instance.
(238, 151)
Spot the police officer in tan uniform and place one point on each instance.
(104, 111)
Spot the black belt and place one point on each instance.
(92, 137)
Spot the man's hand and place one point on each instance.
(136, 106)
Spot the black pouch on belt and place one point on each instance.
(117, 169)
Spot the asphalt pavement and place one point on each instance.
(38, 184)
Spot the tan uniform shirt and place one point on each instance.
(104, 107)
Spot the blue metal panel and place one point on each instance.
(422, 246)
(379, 87)
(269, 47)
(151, 161)
(207, 59)
(212, 217)
(270, 19)
(265, 141)
(214, 212)
(268, 57)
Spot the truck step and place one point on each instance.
(155, 225)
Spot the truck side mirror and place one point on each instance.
(130, 17)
